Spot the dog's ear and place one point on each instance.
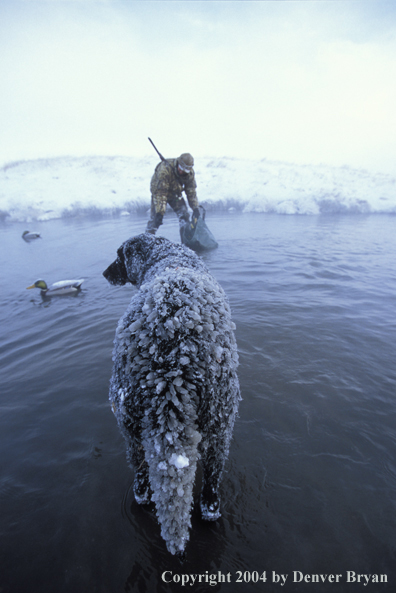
(116, 273)
(135, 258)
(131, 263)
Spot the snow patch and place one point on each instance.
(179, 461)
(65, 187)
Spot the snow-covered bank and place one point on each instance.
(44, 189)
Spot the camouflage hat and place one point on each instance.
(185, 162)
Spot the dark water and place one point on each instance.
(311, 479)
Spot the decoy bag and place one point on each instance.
(198, 237)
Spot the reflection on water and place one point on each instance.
(311, 476)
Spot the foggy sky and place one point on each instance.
(301, 81)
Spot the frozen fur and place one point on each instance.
(174, 388)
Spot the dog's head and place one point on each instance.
(134, 258)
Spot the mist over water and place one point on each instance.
(310, 481)
(305, 82)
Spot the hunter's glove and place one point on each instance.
(196, 215)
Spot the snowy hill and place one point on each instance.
(44, 189)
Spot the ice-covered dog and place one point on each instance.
(174, 388)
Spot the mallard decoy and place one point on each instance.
(58, 288)
(30, 235)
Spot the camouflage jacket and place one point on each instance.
(166, 184)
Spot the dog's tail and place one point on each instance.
(170, 441)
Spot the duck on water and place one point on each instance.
(60, 288)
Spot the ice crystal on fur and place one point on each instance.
(174, 388)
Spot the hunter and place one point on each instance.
(171, 177)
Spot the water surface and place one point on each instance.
(310, 481)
